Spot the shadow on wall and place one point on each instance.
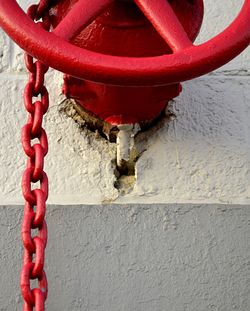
(136, 257)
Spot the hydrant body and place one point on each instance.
(123, 30)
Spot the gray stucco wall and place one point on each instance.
(136, 258)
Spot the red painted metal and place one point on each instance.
(35, 199)
(82, 13)
(123, 30)
(120, 104)
(166, 22)
(81, 63)
(109, 47)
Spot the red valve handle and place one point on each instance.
(187, 61)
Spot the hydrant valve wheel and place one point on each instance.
(186, 62)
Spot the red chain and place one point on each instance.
(35, 199)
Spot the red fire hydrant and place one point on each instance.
(124, 60)
(123, 30)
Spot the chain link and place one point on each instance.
(35, 199)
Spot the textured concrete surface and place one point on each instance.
(130, 257)
(201, 156)
(136, 258)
